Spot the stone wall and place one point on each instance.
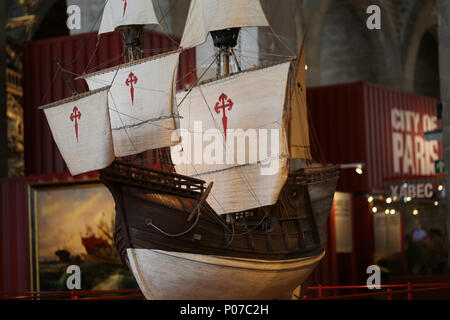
(340, 48)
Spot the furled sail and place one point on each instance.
(141, 102)
(232, 133)
(127, 12)
(81, 128)
(298, 120)
(211, 15)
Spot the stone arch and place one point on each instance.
(427, 20)
(385, 43)
(426, 75)
(347, 51)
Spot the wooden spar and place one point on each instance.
(201, 202)
(65, 75)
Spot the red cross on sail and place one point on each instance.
(124, 7)
(130, 82)
(226, 103)
(75, 116)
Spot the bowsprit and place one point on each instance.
(226, 103)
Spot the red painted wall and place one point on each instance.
(44, 84)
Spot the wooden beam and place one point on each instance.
(3, 119)
(201, 202)
(18, 22)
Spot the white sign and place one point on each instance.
(343, 222)
(412, 154)
(387, 230)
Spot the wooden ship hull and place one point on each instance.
(179, 248)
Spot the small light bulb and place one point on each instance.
(306, 67)
(359, 170)
(388, 200)
(441, 187)
(436, 203)
(415, 212)
(370, 199)
(386, 211)
(374, 209)
(393, 211)
(408, 199)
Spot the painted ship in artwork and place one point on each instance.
(240, 217)
(98, 249)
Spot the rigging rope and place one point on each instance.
(150, 223)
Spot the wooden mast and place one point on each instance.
(132, 39)
(225, 40)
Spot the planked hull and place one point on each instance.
(182, 276)
(266, 252)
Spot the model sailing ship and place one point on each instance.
(202, 229)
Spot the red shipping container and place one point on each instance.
(382, 128)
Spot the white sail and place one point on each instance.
(211, 15)
(127, 12)
(141, 102)
(81, 128)
(299, 143)
(246, 174)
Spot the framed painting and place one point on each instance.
(73, 224)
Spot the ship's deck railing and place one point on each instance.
(399, 291)
(141, 176)
(312, 175)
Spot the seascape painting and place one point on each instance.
(74, 225)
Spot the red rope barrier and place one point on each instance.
(408, 289)
(388, 286)
(388, 293)
(76, 295)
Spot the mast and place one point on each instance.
(132, 39)
(225, 40)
